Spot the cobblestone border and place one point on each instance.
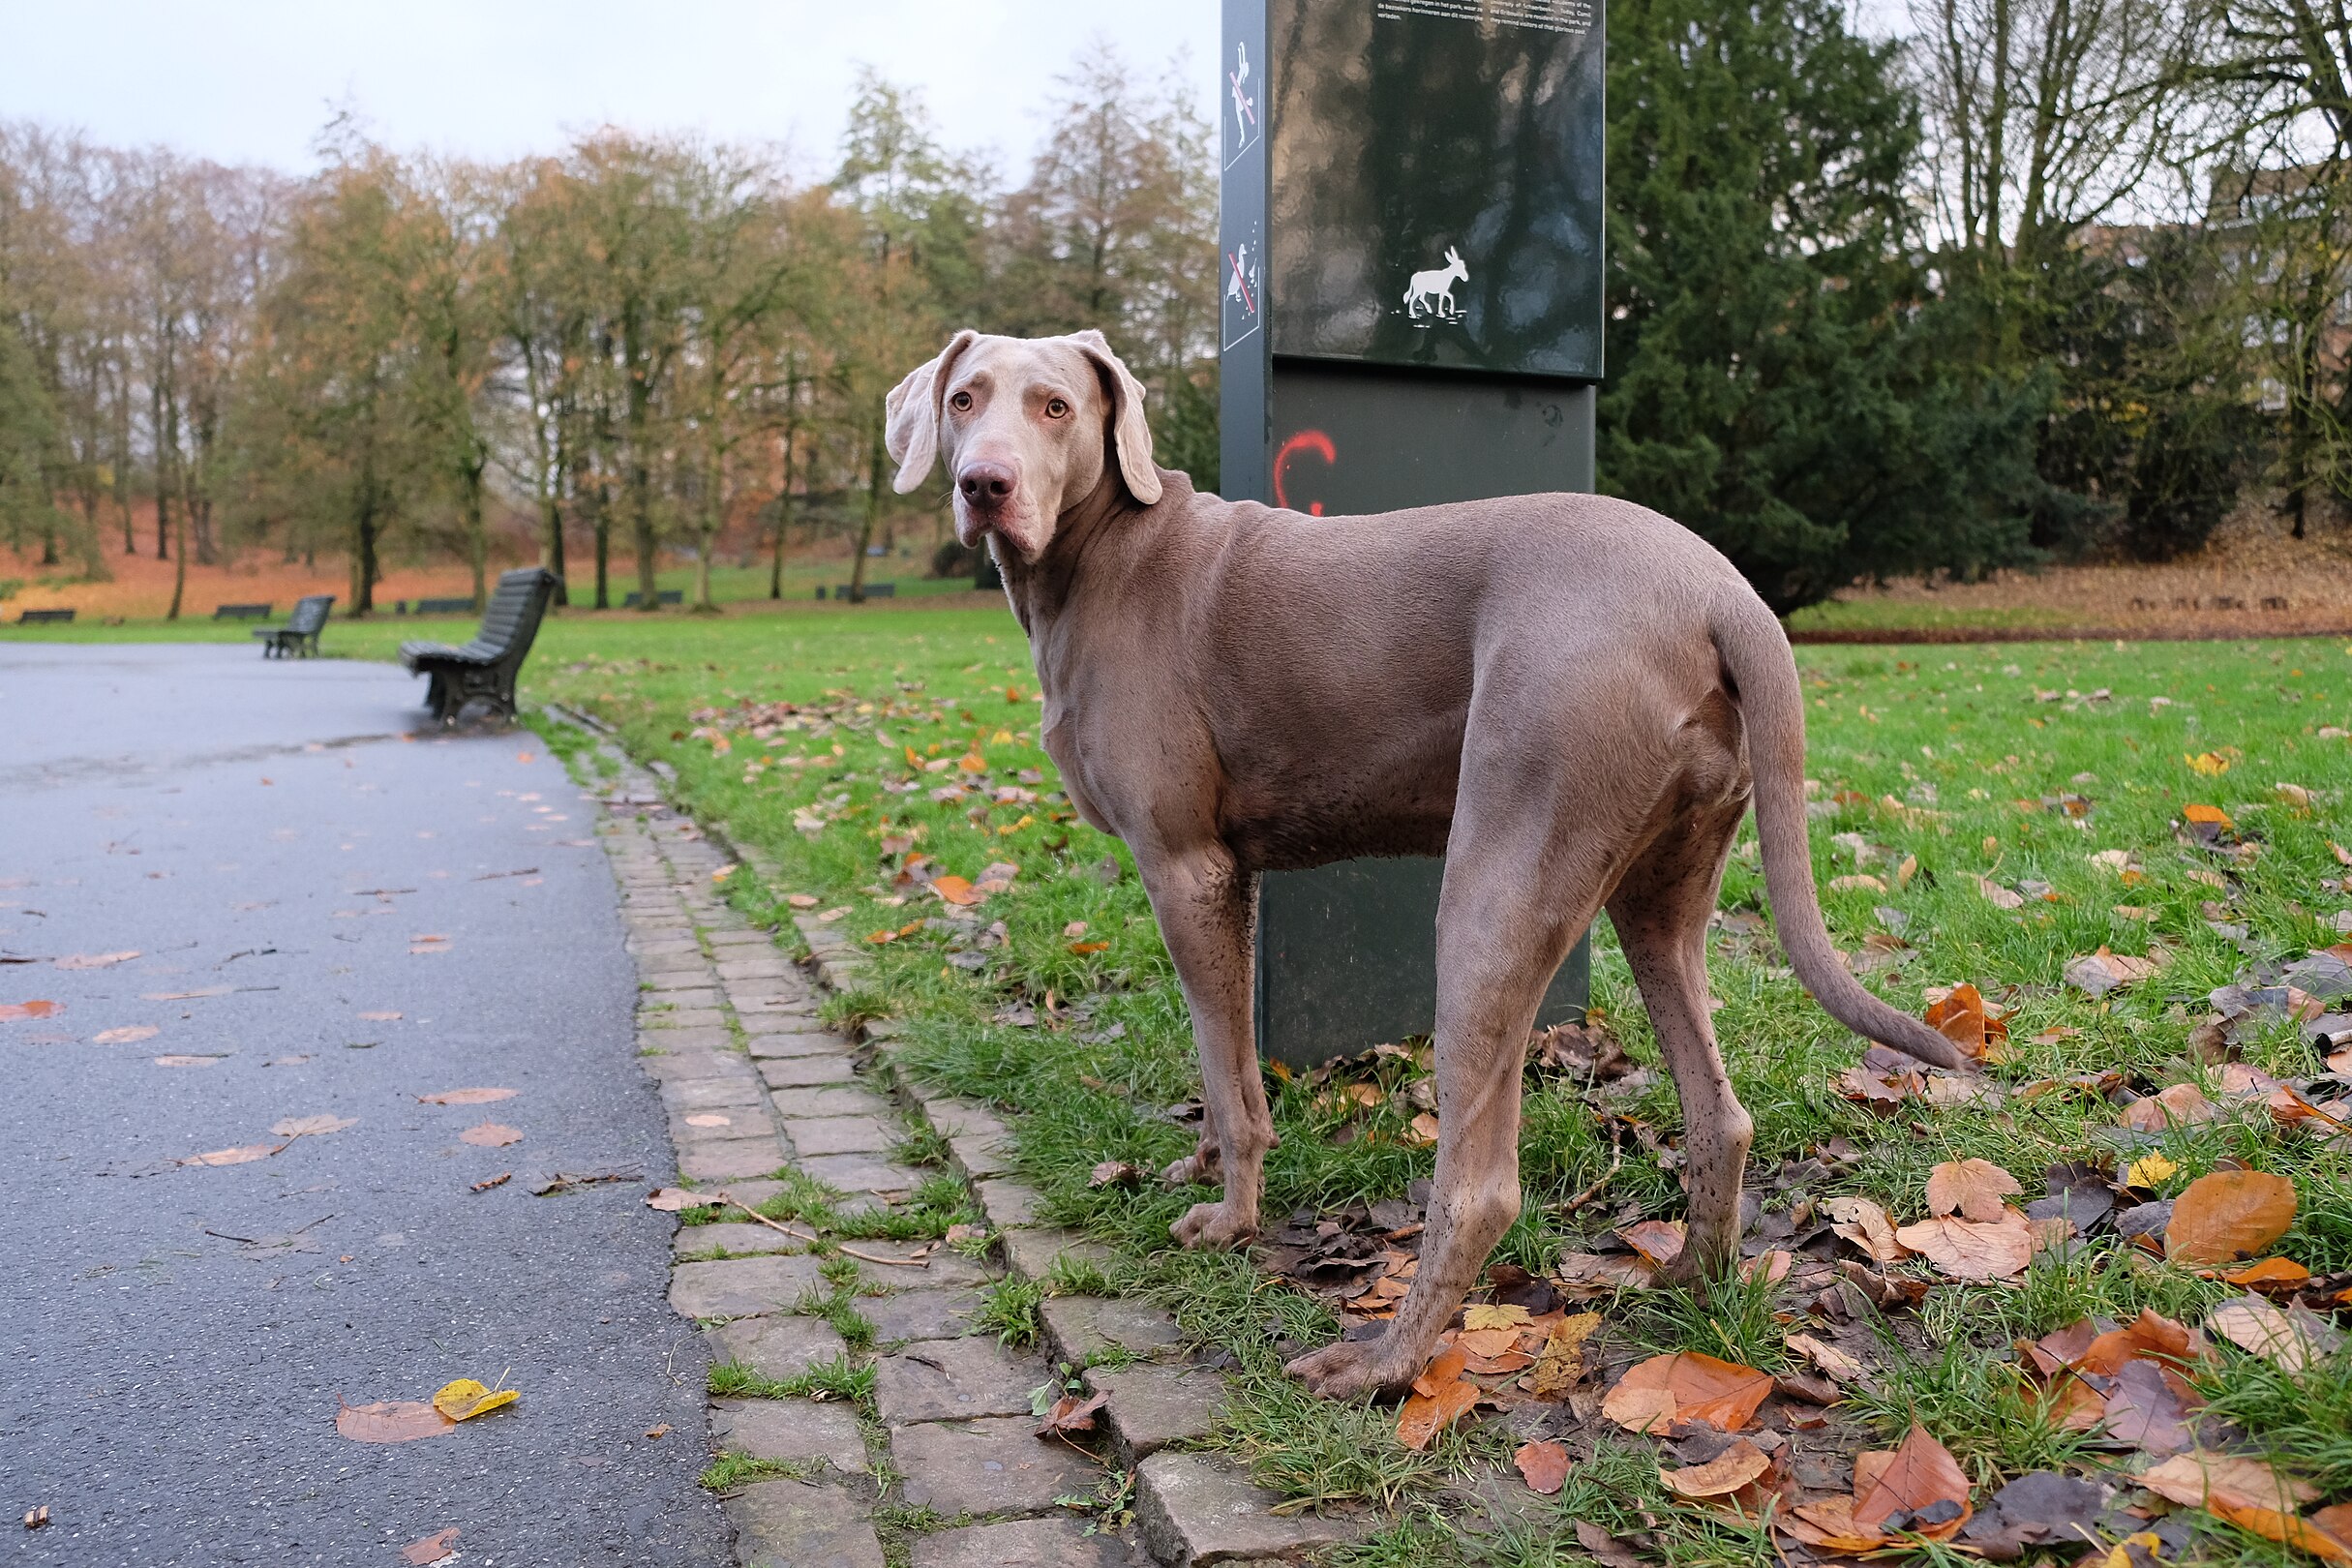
(942, 1468)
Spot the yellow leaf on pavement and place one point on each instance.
(464, 1399)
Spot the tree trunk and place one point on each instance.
(775, 564)
(179, 566)
(603, 517)
(477, 539)
(873, 512)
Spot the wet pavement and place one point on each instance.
(330, 920)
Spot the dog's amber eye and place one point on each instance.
(1056, 408)
(961, 402)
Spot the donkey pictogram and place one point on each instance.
(1433, 290)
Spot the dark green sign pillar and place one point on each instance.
(1411, 223)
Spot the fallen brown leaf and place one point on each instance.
(438, 1547)
(1961, 1015)
(1972, 1188)
(96, 960)
(487, 1183)
(11, 1012)
(243, 1155)
(1543, 1465)
(392, 1421)
(1725, 1473)
(2291, 1339)
(465, 1096)
(490, 1135)
(1865, 1225)
(2228, 1216)
(1920, 1479)
(312, 1127)
(2248, 1493)
(1686, 1386)
(1966, 1250)
(1072, 1413)
(1440, 1397)
(128, 1034)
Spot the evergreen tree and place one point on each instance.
(1779, 377)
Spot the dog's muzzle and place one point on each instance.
(983, 493)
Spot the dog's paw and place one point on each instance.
(1214, 1227)
(1343, 1371)
(1202, 1168)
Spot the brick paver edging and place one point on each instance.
(941, 1467)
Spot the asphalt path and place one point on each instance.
(330, 918)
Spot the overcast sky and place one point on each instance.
(252, 80)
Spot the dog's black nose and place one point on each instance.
(985, 484)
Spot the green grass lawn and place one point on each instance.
(1950, 761)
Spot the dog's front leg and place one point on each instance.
(1205, 903)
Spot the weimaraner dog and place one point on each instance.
(1570, 698)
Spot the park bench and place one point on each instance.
(872, 591)
(665, 596)
(484, 669)
(300, 635)
(241, 612)
(446, 607)
(45, 617)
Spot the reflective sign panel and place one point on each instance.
(1435, 182)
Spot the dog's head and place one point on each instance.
(1026, 425)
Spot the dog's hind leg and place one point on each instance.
(1660, 910)
(1518, 893)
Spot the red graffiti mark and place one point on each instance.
(1306, 441)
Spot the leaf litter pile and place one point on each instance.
(2086, 1300)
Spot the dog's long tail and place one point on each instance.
(1755, 653)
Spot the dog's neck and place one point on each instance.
(1082, 538)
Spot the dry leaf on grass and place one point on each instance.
(1659, 1241)
(2270, 1273)
(490, 1135)
(2179, 1104)
(1972, 1188)
(463, 1399)
(2229, 1216)
(1560, 1362)
(391, 1421)
(1496, 1315)
(1867, 1226)
(1440, 1397)
(1835, 1364)
(1920, 1479)
(1724, 1474)
(2098, 973)
(1917, 1489)
(465, 1096)
(956, 890)
(1961, 1016)
(1965, 1249)
(2250, 1494)
(1544, 1465)
(129, 1034)
(2291, 1339)
(1685, 1386)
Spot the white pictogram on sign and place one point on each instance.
(1245, 105)
(1433, 292)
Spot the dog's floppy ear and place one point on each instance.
(1130, 435)
(911, 412)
